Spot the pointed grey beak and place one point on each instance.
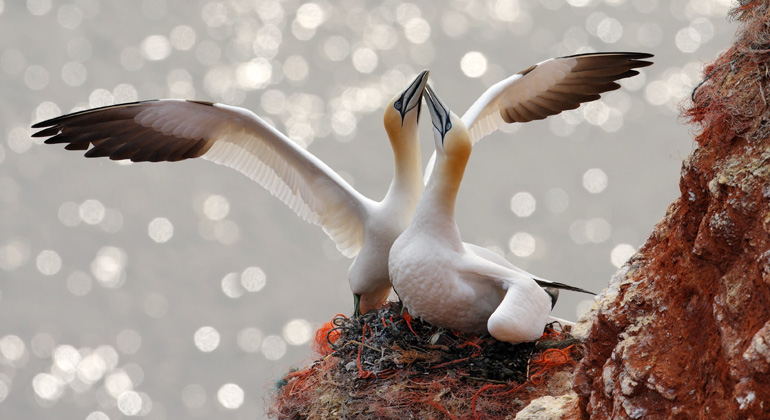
(412, 96)
(439, 113)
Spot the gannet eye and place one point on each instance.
(397, 105)
(448, 126)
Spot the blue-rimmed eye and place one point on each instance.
(448, 126)
(397, 105)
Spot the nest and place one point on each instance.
(386, 365)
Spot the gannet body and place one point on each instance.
(456, 285)
(173, 130)
(546, 89)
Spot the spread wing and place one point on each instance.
(173, 130)
(546, 89)
(550, 87)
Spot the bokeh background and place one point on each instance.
(184, 290)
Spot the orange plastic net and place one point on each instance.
(386, 365)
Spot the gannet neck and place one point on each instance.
(407, 177)
(436, 209)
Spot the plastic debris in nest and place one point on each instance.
(386, 365)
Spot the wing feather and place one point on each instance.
(173, 130)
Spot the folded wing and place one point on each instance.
(173, 130)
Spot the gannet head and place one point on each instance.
(452, 138)
(403, 111)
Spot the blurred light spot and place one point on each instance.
(579, 3)
(254, 74)
(39, 7)
(253, 279)
(47, 386)
(270, 11)
(74, 73)
(69, 16)
(657, 93)
(193, 396)
(214, 14)
(454, 24)
(336, 48)
(128, 341)
(48, 262)
(36, 77)
(42, 345)
(79, 283)
(383, 37)
(614, 122)
(216, 207)
(297, 332)
(91, 211)
(79, 48)
(112, 221)
(117, 382)
(206, 339)
(12, 62)
(273, 347)
(310, 15)
(595, 180)
(295, 68)
(583, 307)
(182, 37)
(365, 60)
(131, 58)
(688, 40)
(596, 113)
(230, 396)
(505, 10)
(92, 368)
(109, 355)
(4, 386)
(66, 358)
(154, 9)
(156, 47)
(300, 32)
(621, 253)
(473, 64)
(97, 415)
(156, 305)
(407, 11)
(417, 30)
(705, 29)
(577, 232)
(160, 229)
(125, 93)
(129, 403)
(609, 30)
(522, 244)
(108, 266)
(19, 139)
(12, 348)
(249, 339)
(556, 200)
(100, 97)
(13, 255)
(635, 83)
(344, 123)
(523, 204)
(231, 285)
(598, 230)
(273, 101)
(267, 42)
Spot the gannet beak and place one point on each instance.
(411, 98)
(439, 113)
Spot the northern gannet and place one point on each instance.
(449, 283)
(173, 130)
(546, 89)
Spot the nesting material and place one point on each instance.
(386, 365)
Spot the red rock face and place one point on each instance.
(683, 331)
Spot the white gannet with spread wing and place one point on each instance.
(546, 89)
(173, 130)
(449, 283)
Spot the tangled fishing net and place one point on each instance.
(386, 365)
